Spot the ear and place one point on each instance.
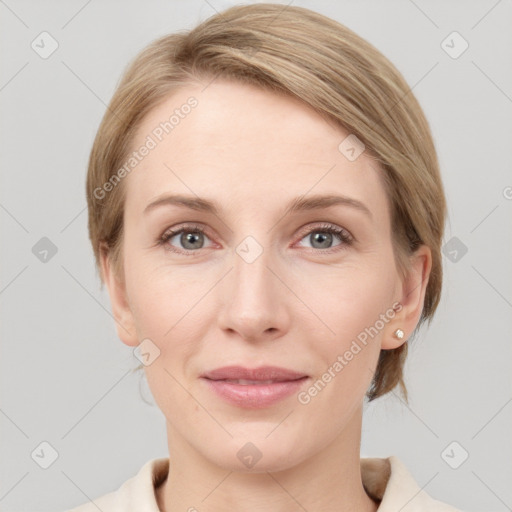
(123, 316)
(412, 291)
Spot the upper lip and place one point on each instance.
(262, 373)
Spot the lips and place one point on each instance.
(254, 388)
(247, 376)
(246, 382)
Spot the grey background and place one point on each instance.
(65, 377)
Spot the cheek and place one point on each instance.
(162, 304)
(164, 312)
(348, 299)
(160, 295)
(170, 306)
(351, 306)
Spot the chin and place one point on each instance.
(256, 453)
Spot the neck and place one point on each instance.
(329, 480)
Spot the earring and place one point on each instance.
(399, 334)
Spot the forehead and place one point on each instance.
(242, 144)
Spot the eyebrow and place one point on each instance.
(299, 204)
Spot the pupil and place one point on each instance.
(188, 239)
(322, 237)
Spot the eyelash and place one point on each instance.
(345, 237)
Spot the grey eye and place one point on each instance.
(191, 240)
(321, 240)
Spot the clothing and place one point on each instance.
(385, 480)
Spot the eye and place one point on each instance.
(189, 238)
(322, 237)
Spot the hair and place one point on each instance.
(305, 55)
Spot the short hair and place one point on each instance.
(308, 56)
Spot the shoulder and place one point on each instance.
(136, 494)
(390, 482)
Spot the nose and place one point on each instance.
(253, 299)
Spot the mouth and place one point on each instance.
(263, 374)
(246, 382)
(254, 388)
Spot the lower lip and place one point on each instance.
(255, 396)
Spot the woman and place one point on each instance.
(266, 211)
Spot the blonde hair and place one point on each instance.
(306, 55)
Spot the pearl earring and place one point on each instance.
(399, 334)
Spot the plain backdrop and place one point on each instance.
(65, 376)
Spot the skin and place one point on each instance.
(296, 306)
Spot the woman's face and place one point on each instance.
(264, 285)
